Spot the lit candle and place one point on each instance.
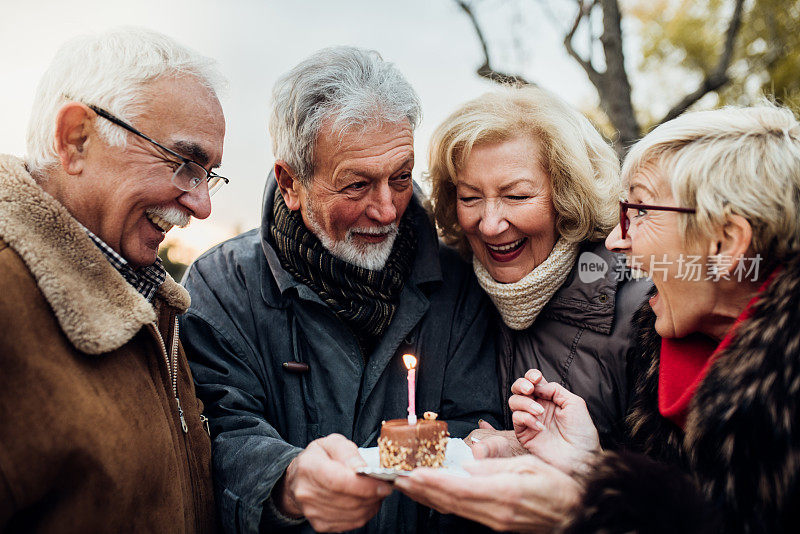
(411, 364)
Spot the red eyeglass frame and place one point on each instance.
(625, 222)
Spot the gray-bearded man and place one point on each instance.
(297, 329)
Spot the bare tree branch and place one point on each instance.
(718, 77)
(486, 70)
(583, 13)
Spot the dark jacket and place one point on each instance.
(583, 338)
(736, 468)
(249, 317)
(90, 436)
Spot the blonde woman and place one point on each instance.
(713, 426)
(526, 187)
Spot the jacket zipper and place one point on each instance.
(172, 370)
(172, 367)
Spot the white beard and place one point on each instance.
(370, 256)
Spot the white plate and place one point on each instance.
(456, 454)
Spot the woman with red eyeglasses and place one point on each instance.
(713, 442)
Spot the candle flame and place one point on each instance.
(410, 361)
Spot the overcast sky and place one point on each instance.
(254, 41)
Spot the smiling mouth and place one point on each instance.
(506, 251)
(371, 238)
(159, 223)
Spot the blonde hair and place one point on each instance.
(743, 161)
(583, 168)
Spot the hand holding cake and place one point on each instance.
(321, 485)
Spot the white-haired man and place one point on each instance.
(101, 430)
(296, 331)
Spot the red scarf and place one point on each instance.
(684, 363)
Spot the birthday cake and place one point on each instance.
(404, 446)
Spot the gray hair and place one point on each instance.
(743, 161)
(350, 87)
(110, 70)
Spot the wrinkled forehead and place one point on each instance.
(377, 144)
(649, 179)
(186, 116)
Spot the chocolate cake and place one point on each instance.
(404, 446)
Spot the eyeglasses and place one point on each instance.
(188, 175)
(625, 222)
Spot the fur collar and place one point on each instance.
(96, 308)
(742, 442)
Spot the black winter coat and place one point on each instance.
(582, 338)
(249, 316)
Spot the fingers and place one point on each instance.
(490, 501)
(341, 449)
(328, 491)
(525, 385)
(493, 466)
(525, 425)
(524, 403)
(483, 425)
(492, 447)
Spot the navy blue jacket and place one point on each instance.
(249, 316)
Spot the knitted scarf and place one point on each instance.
(519, 303)
(363, 299)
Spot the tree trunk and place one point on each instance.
(613, 85)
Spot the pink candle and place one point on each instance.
(411, 362)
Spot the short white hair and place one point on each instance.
(110, 70)
(743, 161)
(349, 87)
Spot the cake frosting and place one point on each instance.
(404, 446)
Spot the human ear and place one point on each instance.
(732, 243)
(288, 184)
(73, 126)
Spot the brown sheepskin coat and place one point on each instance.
(736, 468)
(90, 436)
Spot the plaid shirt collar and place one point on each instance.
(146, 280)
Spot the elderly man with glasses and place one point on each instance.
(297, 330)
(101, 430)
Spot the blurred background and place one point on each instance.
(627, 64)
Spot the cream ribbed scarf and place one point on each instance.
(519, 303)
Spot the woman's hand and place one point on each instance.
(486, 442)
(521, 494)
(552, 423)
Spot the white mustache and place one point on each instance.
(172, 215)
(389, 229)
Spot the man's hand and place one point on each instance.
(486, 442)
(552, 423)
(321, 484)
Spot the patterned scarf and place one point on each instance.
(365, 300)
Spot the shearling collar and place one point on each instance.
(97, 309)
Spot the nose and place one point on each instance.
(493, 220)
(615, 242)
(197, 201)
(381, 208)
